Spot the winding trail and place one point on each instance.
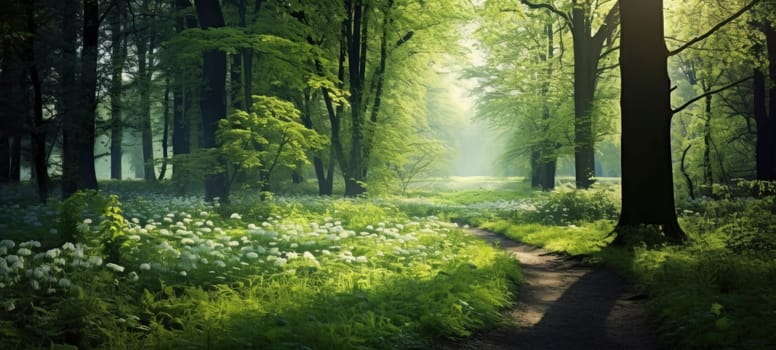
(563, 305)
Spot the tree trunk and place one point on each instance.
(770, 39)
(5, 158)
(38, 133)
(213, 96)
(144, 74)
(536, 168)
(182, 96)
(357, 41)
(89, 101)
(708, 179)
(647, 182)
(585, 77)
(16, 159)
(165, 129)
(68, 100)
(764, 151)
(118, 56)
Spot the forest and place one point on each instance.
(388, 174)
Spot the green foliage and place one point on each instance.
(567, 206)
(270, 135)
(112, 230)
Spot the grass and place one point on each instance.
(293, 273)
(383, 273)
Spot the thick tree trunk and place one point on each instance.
(68, 100)
(647, 182)
(89, 86)
(585, 77)
(118, 56)
(536, 168)
(182, 96)
(144, 45)
(37, 134)
(213, 96)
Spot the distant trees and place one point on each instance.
(589, 45)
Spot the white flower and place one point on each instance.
(28, 244)
(35, 284)
(11, 259)
(145, 267)
(135, 220)
(88, 221)
(7, 243)
(187, 241)
(292, 255)
(361, 259)
(53, 253)
(64, 283)
(51, 291)
(9, 305)
(294, 245)
(280, 262)
(251, 226)
(309, 255)
(235, 216)
(94, 260)
(220, 263)
(183, 273)
(114, 267)
(252, 255)
(133, 276)
(134, 237)
(24, 252)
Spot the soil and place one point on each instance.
(563, 304)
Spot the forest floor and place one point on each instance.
(564, 304)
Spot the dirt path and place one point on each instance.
(563, 305)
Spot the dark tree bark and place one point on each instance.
(88, 103)
(182, 96)
(213, 95)
(118, 57)
(68, 99)
(647, 182)
(37, 132)
(165, 129)
(13, 111)
(145, 44)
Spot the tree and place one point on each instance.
(271, 135)
(522, 88)
(588, 51)
(647, 182)
(118, 58)
(213, 96)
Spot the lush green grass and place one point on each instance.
(384, 273)
(292, 273)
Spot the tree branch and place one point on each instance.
(690, 102)
(719, 25)
(550, 8)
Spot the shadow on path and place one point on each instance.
(563, 305)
